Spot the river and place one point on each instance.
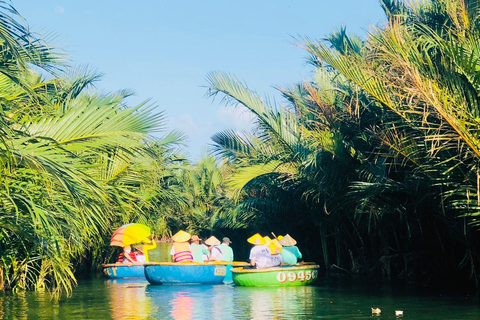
(98, 298)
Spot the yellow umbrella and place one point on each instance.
(129, 234)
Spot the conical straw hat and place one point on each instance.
(256, 239)
(267, 240)
(212, 241)
(275, 247)
(287, 241)
(277, 243)
(181, 236)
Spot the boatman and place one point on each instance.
(227, 252)
(290, 252)
(260, 254)
(181, 251)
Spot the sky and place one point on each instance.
(164, 50)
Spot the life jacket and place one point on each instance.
(131, 254)
(182, 252)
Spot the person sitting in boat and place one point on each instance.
(181, 251)
(290, 252)
(139, 254)
(205, 256)
(227, 252)
(127, 256)
(260, 254)
(142, 251)
(198, 250)
(276, 250)
(215, 252)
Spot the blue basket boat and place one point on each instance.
(124, 270)
(188, 273)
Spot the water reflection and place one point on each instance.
(14, 306)
(135, 299)
(275, 302)
(127, 298)
(182, 306)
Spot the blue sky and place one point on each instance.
(163, 50)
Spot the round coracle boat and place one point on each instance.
(124, 270)
(298, 275)
(189, 272)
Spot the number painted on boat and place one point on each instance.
(220, 271)
(293, 276)
(301, 276)
(108, 271)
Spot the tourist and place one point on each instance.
(142, 251)
(205, 256)
(141, 258)
(181, 251)
(127, 256)
(198, 250)
(260, 254)
(275, 249)
(290, 252)
(227, 252)
(215, 252)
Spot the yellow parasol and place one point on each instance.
(129, 234)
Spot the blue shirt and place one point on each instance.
(227, 252)
(294, 251)
(288, 257)
(198, 251)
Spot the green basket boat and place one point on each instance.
(281, 276)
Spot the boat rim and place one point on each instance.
(276, 269)
(210, 263)
(123, 264)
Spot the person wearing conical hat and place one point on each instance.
(215, 251)
(260, 254)
(198, 251)
(290, 253)
(276, 249)
(181, 251)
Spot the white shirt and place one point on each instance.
(216, 253)
(262, 256)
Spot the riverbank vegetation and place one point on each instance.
(372, 165)
(375, 159)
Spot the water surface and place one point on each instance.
(99, 298)
(136, 299)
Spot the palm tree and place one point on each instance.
(72, 166)
(380, 148)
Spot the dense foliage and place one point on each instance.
(373, 164)
(76, 164)
(375, 160)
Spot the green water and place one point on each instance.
(135, 299)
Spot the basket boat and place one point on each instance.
(124, 270)
(282, 276)
(188, 273)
